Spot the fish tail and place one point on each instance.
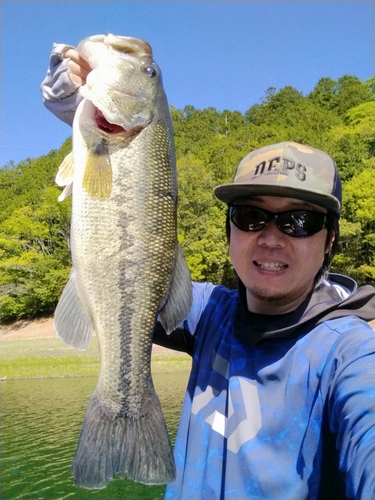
(137, 448)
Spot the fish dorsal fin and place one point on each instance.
(97, 177)
(179, 299)
(66, 171)
(71, 323)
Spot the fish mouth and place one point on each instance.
(113, 129)
(103, 124)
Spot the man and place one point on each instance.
(281, 402)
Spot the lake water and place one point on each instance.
(40, 424)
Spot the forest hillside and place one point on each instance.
(337, 116)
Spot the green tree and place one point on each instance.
(357, 255)
(352, 144)
(201, 222)
(34, 239)
(293, 117)
(342, 95)
(370, 83)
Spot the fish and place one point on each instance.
(128, 269)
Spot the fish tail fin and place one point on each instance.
(136, 447)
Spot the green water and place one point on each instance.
(40, 425)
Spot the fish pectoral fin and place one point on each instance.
(67, 191)
(97, 177)
(65, 173)
(71, 323)
(179, 300)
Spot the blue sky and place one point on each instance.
(223, 54)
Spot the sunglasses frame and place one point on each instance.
(274, 216)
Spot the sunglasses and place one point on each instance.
(296, 223)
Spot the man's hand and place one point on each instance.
(78, 66)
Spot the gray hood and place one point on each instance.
(338, 297)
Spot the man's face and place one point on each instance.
(277, 270)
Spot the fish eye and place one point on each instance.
(150, 71)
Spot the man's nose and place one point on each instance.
(272, 236)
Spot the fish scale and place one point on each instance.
(128, 268)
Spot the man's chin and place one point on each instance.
(266, 295)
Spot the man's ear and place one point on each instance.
(330, 241)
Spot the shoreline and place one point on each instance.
(42, 328)
(32, 350)
(28, 329)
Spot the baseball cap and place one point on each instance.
(286, 169)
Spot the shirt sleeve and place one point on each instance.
(201, 295)
(351, 408)
(61, 95)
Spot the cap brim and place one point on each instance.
(229, 193)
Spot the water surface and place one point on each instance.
(40, 424)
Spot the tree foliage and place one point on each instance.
(337, 116)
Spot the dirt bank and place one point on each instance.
(40, 328)
(43, 328)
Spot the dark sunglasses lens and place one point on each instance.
(296, 223)
(248, 218)
(300, 223)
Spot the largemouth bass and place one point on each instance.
(128, 268)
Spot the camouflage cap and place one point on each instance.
(286, 169)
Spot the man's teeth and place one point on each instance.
(271, 266)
